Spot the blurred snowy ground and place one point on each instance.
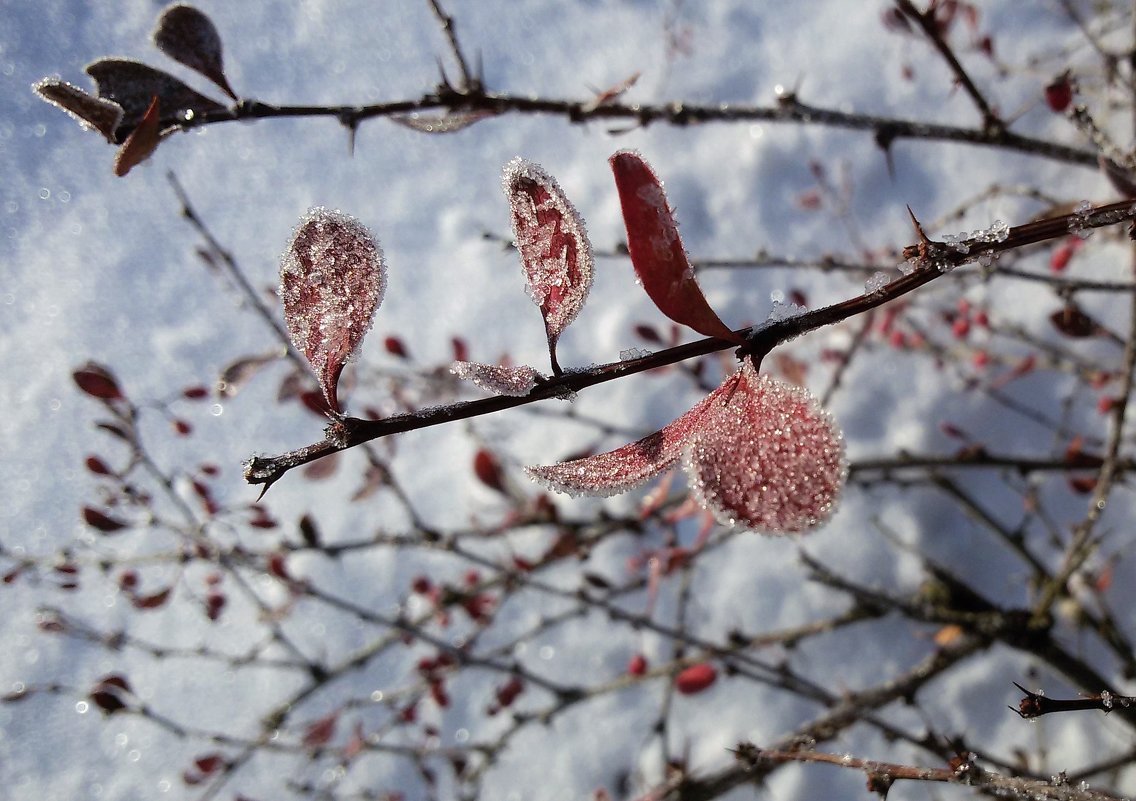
(101, 268)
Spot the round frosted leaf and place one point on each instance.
(767, 457)
(332, 279)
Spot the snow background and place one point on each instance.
(101, 268)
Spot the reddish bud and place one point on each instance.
(98, 382)
(1059, 94)
(638, 665)
(97, 466)
(395, 347)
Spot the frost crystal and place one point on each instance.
(767, 457)
(332, 279)
(876, 283)
(516, 381)
(785, 311)
(555, 251)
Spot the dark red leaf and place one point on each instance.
(142, 141)
(396, 347)
(153, 600)
(214, 605)
(488, 471)
(648, 333)
(508, 692)
(97, 381)
(97, 466)
(1059, 94)
(111, 694)
(555, 251)
(195, 393)
(1074, 323)
(204, 767)
(188, 36)
(332, 279)
(101, 521)
(657, 253)
(133, 85)
(91, 112)
(319, 733)
(638, 665)
(461, 349)
(695, 678)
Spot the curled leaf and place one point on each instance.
(515, 380)
(141, 143)
(635, 463)
(91, 112)
(332, 279)
(768, 458)
(657, 253)
(133, 85)
(189, 37)
(554, 247)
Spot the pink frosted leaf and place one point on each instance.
(768, 457)
(635, 463)
(133, 85)
(657, 253)
(189, 37)
(91, 112)
(516, 380)
(332, 279)
(555, 251)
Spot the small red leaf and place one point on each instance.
(396, 347)
(488, 471)
(638, 665)
(767, 457)
(657, 253)
(554, 247)
(1059, 94)
(142, 142)
(103, 522)
(695, 678)
(97, 466)
(1074, 323)
(111, 694)
(188, 36)
(319, 733)
(97, 381)
(153, 600)
(332, 279)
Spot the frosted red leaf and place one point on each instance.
(91, 112)
(768, 457)
(626, 468)
(142, 142)
(657, 253)
(332, 279)
(189, 37)
(98, 382)
(554, 247)
(133, 85)
(516, 380)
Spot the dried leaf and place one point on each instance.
(626, 468)
(91, 112)
(517, 380)
(555, 252)
(657, 253)
(142, 142)
(332, 279)
(189, 37)
(767, 457)
(132, 85)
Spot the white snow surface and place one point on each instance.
(101, 268)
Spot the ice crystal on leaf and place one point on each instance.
(759, 453)
(657, 253)
(189, 37)
(517, 380)
(769, 458)
(332, 279)
(554, 247)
